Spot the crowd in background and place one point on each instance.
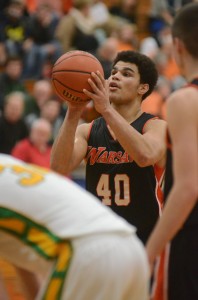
(34, 33)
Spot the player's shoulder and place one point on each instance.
(84, 128)
(155, 122)
(185, 91)
(184, 99)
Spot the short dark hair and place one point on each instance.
(14, 58)
(185, 27)
(146, 67)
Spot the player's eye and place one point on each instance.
(127, 74)
(113, 72)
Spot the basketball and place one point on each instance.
(70, 75)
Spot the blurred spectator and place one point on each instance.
(165, 87)
(35, 148)
(125, 9)
(165, 39)
(31, 6)
(57, 6)
(66, 6)
(10, 78)
(127, 37)
(105, 22)
(3, 55)
(13, 29)
(4, 4)
(175, 5)
(99, 12)
(46, 71)
(165, 61)
(12, 125)
(41, 44)
(50, 111)
(42, 91)
(106, 53)
(76, 30)
(154, 103)
(159, 16)
(178, 82)
(149, 46)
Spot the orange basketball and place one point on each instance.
(70, 75)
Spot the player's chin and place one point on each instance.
(114, 97)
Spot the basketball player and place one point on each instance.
(179, 222)
(124, 150)
(55, 229)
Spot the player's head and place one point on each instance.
(185, 28)
(146, 68)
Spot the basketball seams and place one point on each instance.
(80, 102)
(55, 79)
(72, 71)
(75, 55)
(70, 75)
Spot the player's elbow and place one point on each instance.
(150, 157)
(188, 189)
(143, 160)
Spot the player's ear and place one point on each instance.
(143, 88)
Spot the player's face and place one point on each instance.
(124, 83)
(176, 46)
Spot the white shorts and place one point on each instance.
(102, 267)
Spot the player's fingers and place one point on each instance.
(93, 84)
(101, 77)
(98, 80)
(88, 93)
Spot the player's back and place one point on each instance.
(187, 97)
(49, 199)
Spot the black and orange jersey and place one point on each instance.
(112, 175)
(193, 217)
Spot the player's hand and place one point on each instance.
(76, 108)
(100, 94)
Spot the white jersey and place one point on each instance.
(71, 212)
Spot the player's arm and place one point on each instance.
(146, 149)
(70, 145)
(30, 283)
(183, 124)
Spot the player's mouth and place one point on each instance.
(113, 86)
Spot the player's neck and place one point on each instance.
(191, 70)
(129, 113)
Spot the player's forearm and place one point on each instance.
(140, 149)
(62, 149)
